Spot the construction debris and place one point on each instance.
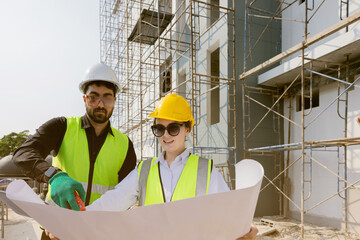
(277, 227)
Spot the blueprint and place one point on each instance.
(217, 216)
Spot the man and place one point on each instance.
(89, 156)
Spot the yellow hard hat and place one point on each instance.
(173, 107)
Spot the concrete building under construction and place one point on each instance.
(275, 81)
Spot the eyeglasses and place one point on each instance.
(173, 129)
(94, 100)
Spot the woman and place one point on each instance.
(176, 174)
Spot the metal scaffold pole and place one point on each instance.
(154, 45)
(302, 89)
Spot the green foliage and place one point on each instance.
(9, 143)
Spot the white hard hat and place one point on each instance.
(99, 72)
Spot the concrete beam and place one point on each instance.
(327, 32)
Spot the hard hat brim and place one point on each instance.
(87, 82)
(153, 115)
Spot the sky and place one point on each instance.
(45, 48)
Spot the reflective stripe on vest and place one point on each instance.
(194, 180)
(96, 188)
(73, 158)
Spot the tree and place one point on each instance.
(9, 143)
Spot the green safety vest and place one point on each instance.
(73, 158)
(194, 181)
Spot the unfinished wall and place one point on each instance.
(324, 183)
(212, 132)
(268, 46)
(328, 125)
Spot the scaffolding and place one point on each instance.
(301, 85)
(146, 42)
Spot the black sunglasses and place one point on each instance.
(173, 129)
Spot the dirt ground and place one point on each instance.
(277, 227)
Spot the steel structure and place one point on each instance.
(145, 42)
(310, 74)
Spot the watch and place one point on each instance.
(50, 173)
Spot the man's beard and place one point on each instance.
(96, 116)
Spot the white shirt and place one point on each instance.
(126, 192)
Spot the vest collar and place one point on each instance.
(85, 123)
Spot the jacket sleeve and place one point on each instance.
(30, 156)
(129, 163)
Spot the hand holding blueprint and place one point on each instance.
(218, 216)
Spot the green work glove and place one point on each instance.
(62, 190)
